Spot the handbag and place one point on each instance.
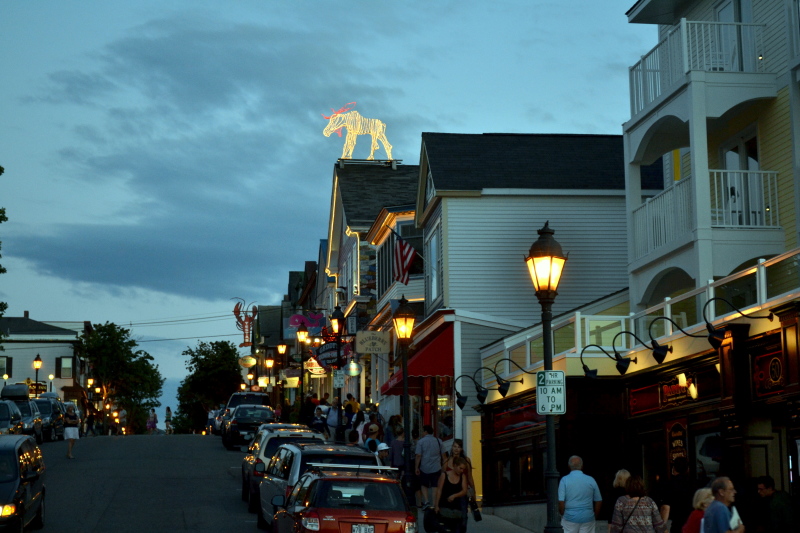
(476, 513)
(450, 514)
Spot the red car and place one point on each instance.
(367, 500)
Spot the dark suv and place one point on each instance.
(22, 483)
(10, 418)
(31, 417)
(52, 418)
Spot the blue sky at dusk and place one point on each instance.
(163, 157)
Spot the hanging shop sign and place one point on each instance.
(677, 448)
(244, 320)
(328, 354)
(376, 342)
(314, 368)
(247, 361)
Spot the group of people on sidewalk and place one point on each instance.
(579, 502)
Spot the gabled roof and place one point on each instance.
(26, 326)
(472, 162)
(367, 188)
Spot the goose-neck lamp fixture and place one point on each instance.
(503, 385)
(660, 351)
(481, 392)
(545, 262)
(717, 336)
(622, 362)
(516, 365)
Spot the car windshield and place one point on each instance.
(24, 408)
(276, 441)
(45, 407)
(336, 459)
(255, 399)
(369, 494)
(261, 413)
(8, 466)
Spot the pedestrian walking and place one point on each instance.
(456, 451)
(636, 512)
(579, 499)
(396, 457)
(90, 418)
(428, 463)
(702, 499)
(168, 421)
(152, 422)
(450, 494)
(211, 416)
(382, 453)
(359, 423)
(72, 423)
(718, 515)
(777, 514)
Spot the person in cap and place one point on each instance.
(372, 441)
(383, 454)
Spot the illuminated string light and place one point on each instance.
(357, 125)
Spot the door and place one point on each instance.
(736, 47)
(742, 183)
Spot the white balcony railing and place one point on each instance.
(769, 284)
(708, 46)
(739, 199)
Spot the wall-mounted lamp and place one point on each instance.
(481, 391)
(717, 336)
(502, 384)
(689, 383)
(622, 362)
(659, 351)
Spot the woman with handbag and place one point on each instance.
(450, 493)
(458, 451)
(636, 512)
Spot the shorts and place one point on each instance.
(429, 480)
(71, 433)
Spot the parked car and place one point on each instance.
(263, 447)
(361, 501)
(291, 461)
(31, 417)
(244, 422)
(251, 398)
(52, 417)
(22, 483)
(10, 418)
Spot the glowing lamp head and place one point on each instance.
(403, 319)
(337, 320)
(89, 382)
(302, 333)
(37, 362)
(269, 363)
(5, 376)
(242, 386)
(98, 390)
(281, 349)
(545, 261)
(250, 377)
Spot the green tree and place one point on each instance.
(128, 378)
(214, 374)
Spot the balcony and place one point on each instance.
(771, 283)
(739, 200)
(705, 46)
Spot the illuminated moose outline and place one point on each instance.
(357, 125)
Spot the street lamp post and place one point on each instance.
(51, 377)
(282, 352)
(403, 319)
(37, 364)
(302, 337)
(546, 261)
(337, 322)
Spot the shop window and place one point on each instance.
(708, 453)
(444, 408)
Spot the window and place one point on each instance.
(412, 236)
(433, 266)
(5, 366)
(64, 367)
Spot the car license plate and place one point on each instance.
(363, 528)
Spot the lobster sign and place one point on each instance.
(244, 320)
(356, 125)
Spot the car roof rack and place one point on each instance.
(321, 467)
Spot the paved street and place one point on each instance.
(155, 484)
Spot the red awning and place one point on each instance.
(435, 359)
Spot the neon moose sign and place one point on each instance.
(356, 125)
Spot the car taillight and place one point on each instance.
(256, 472)
(411, 524)
(311, 521)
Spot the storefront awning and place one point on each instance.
(435, 359)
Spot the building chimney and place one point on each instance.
(26, 314)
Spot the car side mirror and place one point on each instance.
(279, 500)
(260, 467)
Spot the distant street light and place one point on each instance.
(51, 377)
(37, 364)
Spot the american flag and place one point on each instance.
(404, 255)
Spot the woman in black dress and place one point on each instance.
(450, 493)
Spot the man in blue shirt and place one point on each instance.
(717, 517)
(579, 499)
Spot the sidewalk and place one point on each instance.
(491, 524)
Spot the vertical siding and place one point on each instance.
(472, 338)
(776, 152)
(489, 237)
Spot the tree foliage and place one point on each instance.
(128, 376)
(214, 374)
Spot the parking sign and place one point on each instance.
(551, 393)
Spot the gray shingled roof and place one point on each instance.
(26, 326)
(466, 162)
(368, 188)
